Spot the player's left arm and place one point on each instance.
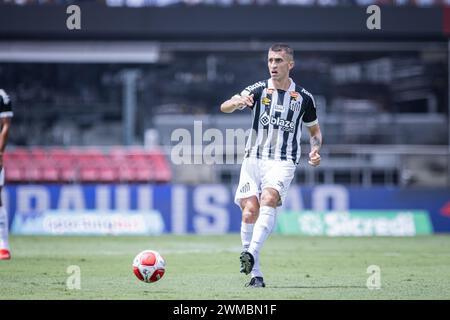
(312, 123)
(316, 143)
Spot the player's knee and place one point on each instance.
(249, 216)
(270, 198)
(250, 211)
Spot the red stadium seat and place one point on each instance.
(38, 154)
(33, 173)
(117, 153)
(163, 175)
(126, 173)
(68, 173)
(19, 152)
(89, 174)
(50, 174)
(61, 156)
(17, 155)
(108, 174)
(137, 155)
(163, 171)
(118, 164)
(14, 173)
(144, 174)
(9, 160)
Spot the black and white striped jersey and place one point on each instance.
(278, 116)
(5, 105)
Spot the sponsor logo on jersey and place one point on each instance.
(284, 125)
(311, 96)
(279, 107)
(306, 92)
(256, 86)
(264, 119)
(266, 101)
(4, 97)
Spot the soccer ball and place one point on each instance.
(149, 266)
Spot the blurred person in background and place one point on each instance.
(5, 122)
(279, 108)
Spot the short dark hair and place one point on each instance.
(277, 47)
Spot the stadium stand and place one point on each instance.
(67, 165)
(383, 106)
(378, 99)
(359, 101)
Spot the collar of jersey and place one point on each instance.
(271, 86)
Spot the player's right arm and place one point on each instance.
(237, 102)
(246, 99)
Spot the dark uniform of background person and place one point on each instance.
(5, 122)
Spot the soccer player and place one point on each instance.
(5, 122)
(279, 108)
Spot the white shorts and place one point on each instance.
(258, 174)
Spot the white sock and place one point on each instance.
(263, 227)
(3, 229)
(256, 271)
(246, 234)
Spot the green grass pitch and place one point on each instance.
(207, 267)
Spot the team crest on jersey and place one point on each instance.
(295, 105)
(266, 101)
(279, 108)
(294, 94)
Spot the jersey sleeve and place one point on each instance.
(255, 89)
(5, 105)
(310, 118)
